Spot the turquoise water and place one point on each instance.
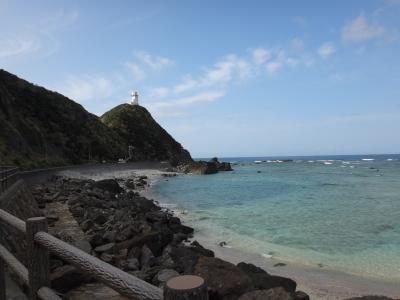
(343, 213)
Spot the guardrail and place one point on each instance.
(36, 276)
(8, 176)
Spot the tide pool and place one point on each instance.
(341, 213)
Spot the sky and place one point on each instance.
(225, 78)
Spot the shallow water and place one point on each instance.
(341, 213)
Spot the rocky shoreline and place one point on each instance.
(136, 235)
(115, 223)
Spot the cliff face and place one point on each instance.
(143, 136)
(40, 128)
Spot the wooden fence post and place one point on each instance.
(2, 280)
(2, 272)
(186, 287)
(38, 257)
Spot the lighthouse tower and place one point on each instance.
(134, 98)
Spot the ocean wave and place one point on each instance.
(368, 159)
(266, 255)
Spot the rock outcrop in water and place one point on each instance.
(206, 167)
(136, 235)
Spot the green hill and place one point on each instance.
(40, 128)
(143, 136)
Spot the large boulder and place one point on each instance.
(225, 280)
(271, 294)
(110, 185)
(264, 281)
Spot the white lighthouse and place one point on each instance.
(134, 98)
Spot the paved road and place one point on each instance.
(40, 176)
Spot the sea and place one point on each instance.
(341, 213)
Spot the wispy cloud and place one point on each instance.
(137, 72)
(17, 46)
(154, 62)
(174, 107)
(359, 30)
(85, 88)
(326, 50)
(40, 37)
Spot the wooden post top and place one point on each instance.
(185, 282)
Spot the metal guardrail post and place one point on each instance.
(38, 257)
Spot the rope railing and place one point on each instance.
(36, 275)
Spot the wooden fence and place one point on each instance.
(36, 275)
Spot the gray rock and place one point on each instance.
(132, 264)
(277, 293)
(110, 236)
(108, 248)
(146, 258)
(108, 258)
(163, 276)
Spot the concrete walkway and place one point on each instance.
(13, 292)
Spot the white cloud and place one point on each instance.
(137, 72)
(260, 55)
(359, 30)
(187, 84)
(85, 88)
(17, 46)
(154, 62)
(326, 50)
(40, 37)
(159, 92)
(273, 67)
(173, 108)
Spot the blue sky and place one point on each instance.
(226, 78)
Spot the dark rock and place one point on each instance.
(109, 236)
(132, 264)
(124, 234)
(156, 241)
(300, 295)
(66, 277)
(86, 225)
(279, 265)
(110, 185)
(225, 280)
(96, 240)
(134, 252)
(146, 258)
(156, 216)
(55, 263)
(108, 248)
(186, 229)
(264, 281)
(163, 276)
(277, 293)
(108, 258)
(100, 219)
